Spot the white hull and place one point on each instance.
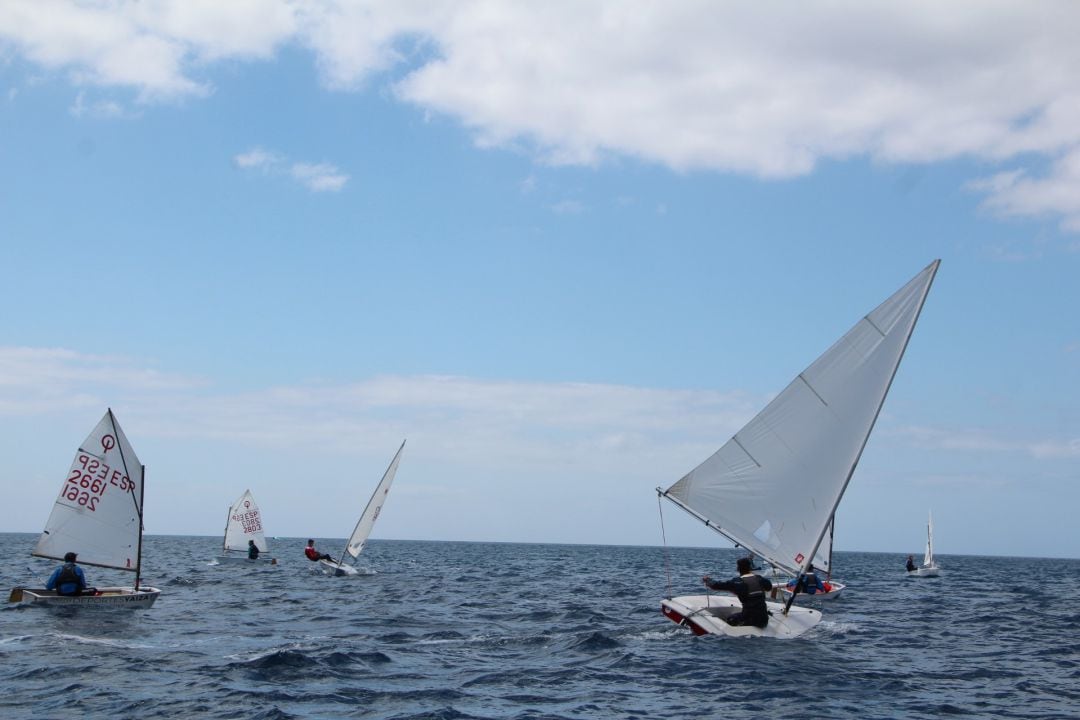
(244, 560)
(333, 569)
(704, 615)
(835, 590)
(110, 597)
(925, 572)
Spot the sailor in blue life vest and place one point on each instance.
(750, 589)
(68, 579)
(809, 583)
(253, 550)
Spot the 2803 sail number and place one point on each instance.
(89, 479)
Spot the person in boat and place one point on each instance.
(253, 550)
(314, 555)
(68, 579)
(911, 564)
(809, 583)
(750, 589)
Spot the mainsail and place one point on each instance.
(98, 514)
(371, 513)
(245, 523)
(928, 556)
(774, 487)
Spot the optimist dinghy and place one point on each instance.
(98, 516)
(355, 545)
(775, 486)
(244, 524)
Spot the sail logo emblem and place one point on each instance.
(247, 503)
(799, 558)
(108, 442)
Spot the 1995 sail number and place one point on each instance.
(89, 479)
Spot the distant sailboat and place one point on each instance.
(928, 568)
(775, 486)
(244, 524)
(98, 516)
(355, 544)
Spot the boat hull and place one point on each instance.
(333, 569)
(106, 597)
(244, 560)
(834, 592)
(925, 572)
(704, 615)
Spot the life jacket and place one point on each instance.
(312, 554)
(68, 583)
(755, 612)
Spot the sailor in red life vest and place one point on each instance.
(314, 555)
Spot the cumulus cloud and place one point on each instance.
(766, 90)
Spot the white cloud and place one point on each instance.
(461, 419)
(257, 159)
(769, 91)
(984, 441)
(319, 177)
(316, 177)
(100, 109)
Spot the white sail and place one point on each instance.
(245, 523)
(371, 513)
(928, 556)
(98, 514)
(775, 485)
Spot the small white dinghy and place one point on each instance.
(774, 487)
(98, 516)
(244, 524)
(929, 568)
(355, 545)
(822, 563)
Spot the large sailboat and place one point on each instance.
(774, 487)
(98, 516)
(355, 544)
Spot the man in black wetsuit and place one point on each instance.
(750, 589)
(253, 550)
(911, 564)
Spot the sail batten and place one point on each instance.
(806, 443)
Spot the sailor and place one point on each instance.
(313, 554)
(68, 579)
(253, 550)
(911, 564)
(750, 589)
(809, 583)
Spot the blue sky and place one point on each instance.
(565, 249)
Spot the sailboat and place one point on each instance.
(774, 487)
(928, 568)
(98, 516)
(823, 563)
(244, 524)
(355, 544)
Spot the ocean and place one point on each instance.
(500, 630)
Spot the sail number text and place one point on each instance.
(250, 521)
(89, 479)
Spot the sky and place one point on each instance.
(565, 249)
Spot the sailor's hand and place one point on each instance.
(706, 579)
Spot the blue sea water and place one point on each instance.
(495, 630)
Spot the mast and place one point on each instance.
(138, 557)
